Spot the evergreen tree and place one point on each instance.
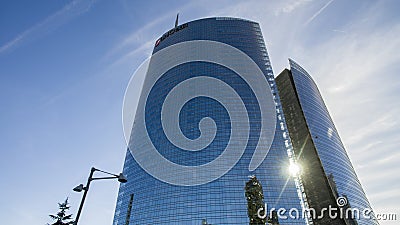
(62, 218)
(255, 201)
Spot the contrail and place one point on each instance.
(67, 13)
(317, 13)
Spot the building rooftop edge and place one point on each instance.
(223, 18)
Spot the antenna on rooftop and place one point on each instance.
(176, 21)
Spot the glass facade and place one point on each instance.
(318, 145)
(145, 199)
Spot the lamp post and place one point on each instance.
(121, 178)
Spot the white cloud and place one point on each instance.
(288, 7)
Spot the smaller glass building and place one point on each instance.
(327, 172)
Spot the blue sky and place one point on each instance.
(64, 66)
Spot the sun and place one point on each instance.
(294, 169)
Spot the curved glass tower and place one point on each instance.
(327, 172)
(194, 157)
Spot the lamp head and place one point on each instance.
(79, 188)
(122, 178)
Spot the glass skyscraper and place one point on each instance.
(209, 139)
(327, 173)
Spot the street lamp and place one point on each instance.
(121, 178)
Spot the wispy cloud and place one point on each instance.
(67, 13)
(141, 41)
(137, 43)
(340, 31)
(140, 35)
(355, 69)
(290, 6)
(144, 49)
(356, 73)
(317, 13)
